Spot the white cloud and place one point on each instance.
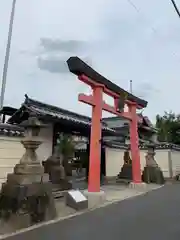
(120, 42)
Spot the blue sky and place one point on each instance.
(123, 40)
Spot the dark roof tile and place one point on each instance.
(11, 130)
(56, 112)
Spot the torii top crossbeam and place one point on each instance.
(78, 67)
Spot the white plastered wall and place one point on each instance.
(175, 157)
(163, 161)
(11, 150)
(114, 161)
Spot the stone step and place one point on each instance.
(123, 181)
(58, 194)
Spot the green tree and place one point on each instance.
(67, 149)
(168, 127)
(66, 145)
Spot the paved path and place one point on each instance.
(154, 216)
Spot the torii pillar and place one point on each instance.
(98, 105)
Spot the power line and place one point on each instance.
(130, 86)
(151, 27)
(139, 12)
(175, 7)
(133, 5)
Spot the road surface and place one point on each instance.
(154, 216)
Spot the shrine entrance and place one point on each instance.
(100, 85)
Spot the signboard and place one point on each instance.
(77, 195)
(75, 199)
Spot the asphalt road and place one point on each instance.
(154, 216)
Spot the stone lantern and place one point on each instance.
(150, 156)
(28, 188)
(152, 173)
(29, 163)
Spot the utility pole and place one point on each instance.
(6, 60)
(130, 87)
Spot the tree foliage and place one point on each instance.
(66, 145)
(168, 127)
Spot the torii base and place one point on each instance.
(138, 186)
(95, 198)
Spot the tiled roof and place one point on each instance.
(143, 146)
(60, 113)
(147, 120)
(11, 130)
(161, 146)
(145, 123)
(115, 144)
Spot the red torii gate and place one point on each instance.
(101, 85)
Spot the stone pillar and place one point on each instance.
(28, 190)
